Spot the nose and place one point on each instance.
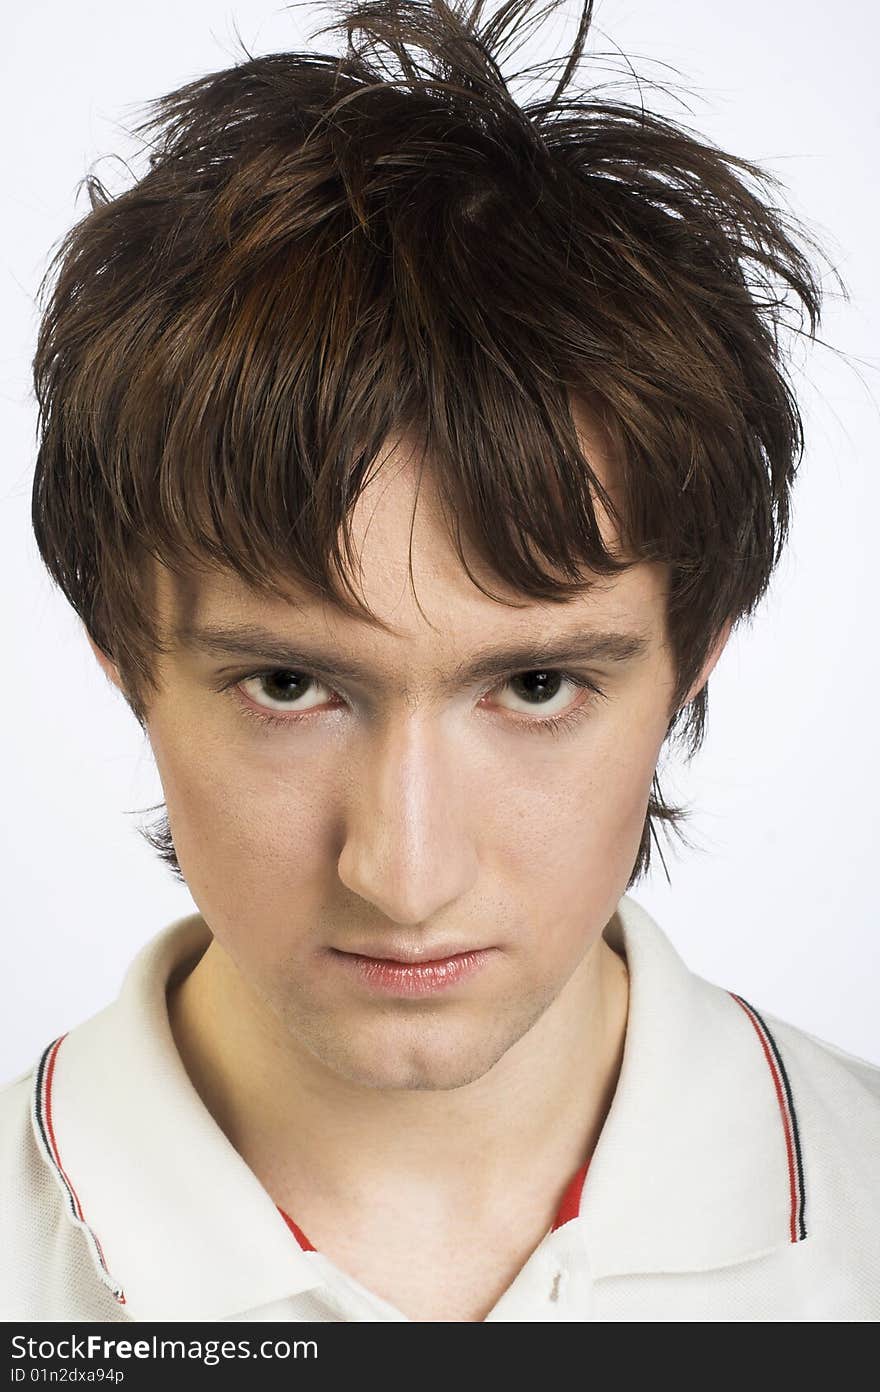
(407, 847)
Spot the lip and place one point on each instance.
(423, 977)
(410, 956)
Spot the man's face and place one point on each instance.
(405, 808)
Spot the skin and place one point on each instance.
(388, 1125)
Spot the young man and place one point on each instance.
(409, 459)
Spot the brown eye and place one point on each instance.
(540, 689)
(537, 686)
(285, 690)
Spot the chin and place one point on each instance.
(395, 1051)
(425, 1078)
(417, 1068)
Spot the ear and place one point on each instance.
(110, 669)
(708, 666)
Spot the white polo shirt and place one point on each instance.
(736, 1177)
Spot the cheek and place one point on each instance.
(572, 837)
(244, 829)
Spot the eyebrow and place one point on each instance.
(255, 642)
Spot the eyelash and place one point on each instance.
(553, 725)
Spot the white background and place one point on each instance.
(779, 905)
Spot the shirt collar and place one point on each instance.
(693, 1167)
(173, 1215)
(698, 1163)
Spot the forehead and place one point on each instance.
(411, 577)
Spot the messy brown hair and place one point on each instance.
(326, 249)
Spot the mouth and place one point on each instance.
(407, 955)
(410, 976)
